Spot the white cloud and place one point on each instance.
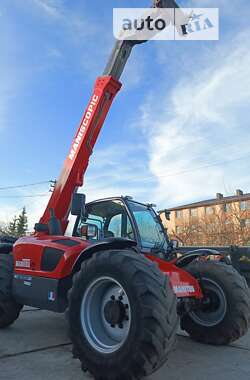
(7, 212)
(35, 208)
(202, 114)
(50, 7)
(118, 170)
(76, 21)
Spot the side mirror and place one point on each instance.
(175, 244)
(78, 204)
(89, 231)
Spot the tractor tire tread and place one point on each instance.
(237, 319)
(9, 309)
(157, 332)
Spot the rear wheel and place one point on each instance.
(9, 309)
(223, 315)
(122, 316)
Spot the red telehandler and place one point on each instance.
(122, 289)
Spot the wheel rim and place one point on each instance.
(105, 315)
(213, 307)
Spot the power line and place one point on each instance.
(25, 196)
(181, 172)
(25, 185)
(218, 163)
(144, 179)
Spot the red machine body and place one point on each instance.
(29, 252)
(183, 284)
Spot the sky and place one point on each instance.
(177, 132)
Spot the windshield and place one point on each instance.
(151, 232)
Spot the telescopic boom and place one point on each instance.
(76, 163)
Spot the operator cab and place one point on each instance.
(123, 218)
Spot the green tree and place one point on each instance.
(18, 226)
(22, 223)
(11, 228)
(2, 231)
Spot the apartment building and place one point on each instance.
(224, 220)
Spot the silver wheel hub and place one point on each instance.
(213, 308)
(105, 315)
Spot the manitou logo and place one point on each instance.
(83, 126)
(24, 263)
(184, 289)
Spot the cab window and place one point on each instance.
(115, 225)
(111, 219)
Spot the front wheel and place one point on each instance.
(122, 316)
(223, 314)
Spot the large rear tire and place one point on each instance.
(224, 314)
(9, 309)
(122, 316)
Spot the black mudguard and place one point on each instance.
(189, 256)
(104, 245)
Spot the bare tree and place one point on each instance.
(188, 233)
(220, 228)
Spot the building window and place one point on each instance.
(178, 214)
(193, 212)
(210, 228)
(245, 223)
(244, 205)
(227, 207)
(178, 229)
(209, 210)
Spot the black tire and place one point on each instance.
(8, 239)
(9, 309)
(220, 323)
(153, 309)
